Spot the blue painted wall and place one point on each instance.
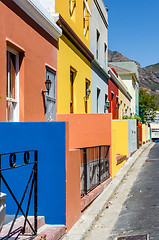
(98, 80)
(49, 139)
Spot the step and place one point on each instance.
(19, 223)
(50, 232)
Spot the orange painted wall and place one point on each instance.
(86, 130)
(38, 49)
(83, 130)
(73, 190)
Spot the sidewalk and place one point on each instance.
(85, 223)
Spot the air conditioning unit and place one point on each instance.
(107, 104)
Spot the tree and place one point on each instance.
(148, 106)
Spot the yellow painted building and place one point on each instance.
(124, 101)
(74, 57)
(145, 133)
(119, 144)
(76, 13)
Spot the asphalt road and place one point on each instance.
(134, 208)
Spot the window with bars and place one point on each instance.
(51, 97)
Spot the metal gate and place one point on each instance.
(94, 167)
(11, 161)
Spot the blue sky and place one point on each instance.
(134, 29)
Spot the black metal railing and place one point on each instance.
(11, 161)
(94, 167)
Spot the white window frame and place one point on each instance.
(16, 99)
(50, 98)
(84, 17)
(71, 8)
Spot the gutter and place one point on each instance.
(119, 84)
(35, 10)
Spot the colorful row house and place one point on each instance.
(74, 56)
(119, 96)
(54, 66)
(99, 48)
(128, 72)
(28, 32)
(76, 64)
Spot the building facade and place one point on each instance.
(74, 56)
(25, 67)
(113, 96)
(129, 74)
(99, 48)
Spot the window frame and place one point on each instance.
(98, 95)
(105, 53)
(72, 7)
(16, 99)
(97, 44)
(48, 97)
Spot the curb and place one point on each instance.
(84, 224)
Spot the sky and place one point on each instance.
(134, 29)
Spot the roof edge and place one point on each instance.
(36, 11)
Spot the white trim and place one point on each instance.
(11, 100)
(36, 11)
(71, 9)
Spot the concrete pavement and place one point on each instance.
(82, 229)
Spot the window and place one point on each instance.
(12, 91)
(72, 76)
(105, 107)
(97, 47)
(98, 94)
(86, 94)
(72, 7)
(86, 15)
(105, 54)
(51, 97)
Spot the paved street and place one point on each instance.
(134, 208)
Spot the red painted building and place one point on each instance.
(28, 54)
(113, 97)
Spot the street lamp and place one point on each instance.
(47, 85)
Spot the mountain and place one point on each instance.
(148, 76)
